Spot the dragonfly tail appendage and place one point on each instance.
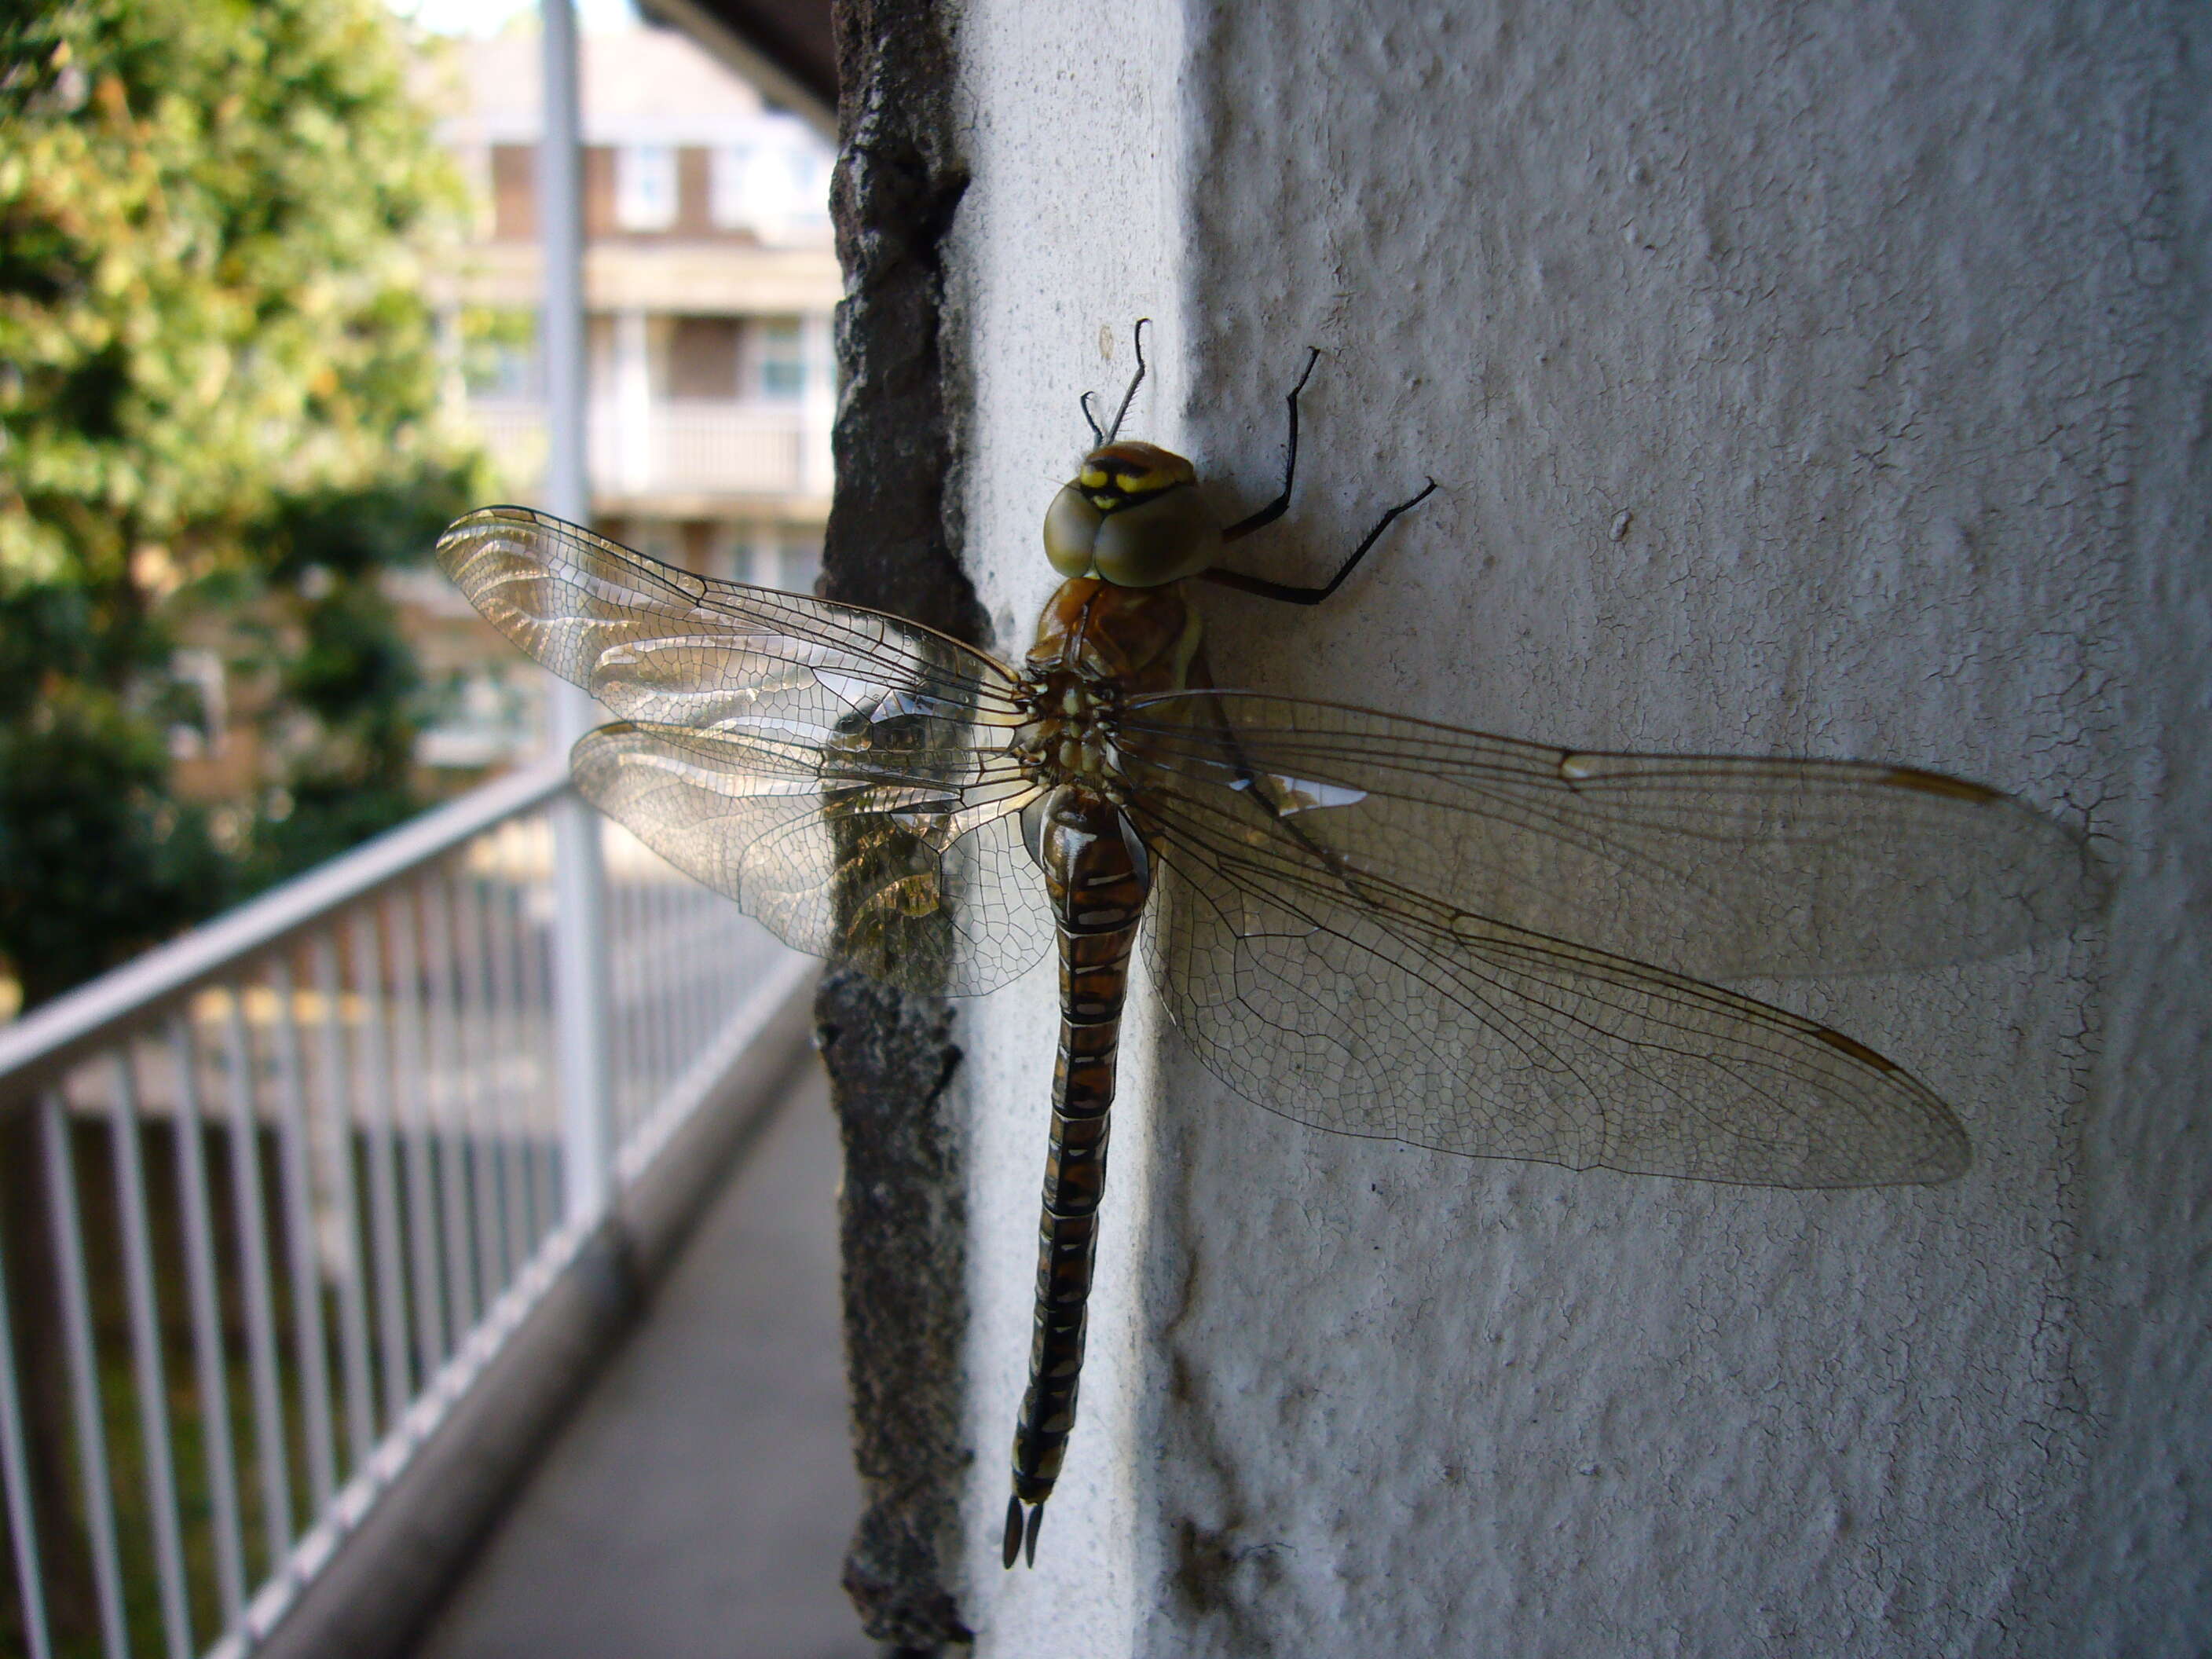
(1021, 1536)
(1098, 879)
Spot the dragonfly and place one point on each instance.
(1370, 924)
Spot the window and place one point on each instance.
(513, 191)
(645, 187)
(799, 559)
(730, 552)
(769, 187)
(727, 188)
(809, 183)
(781, 360)
(658, 538)
(703, 358)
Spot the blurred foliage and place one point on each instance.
(220, 399)
(498, 351)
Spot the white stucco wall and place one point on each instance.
(1827, 380)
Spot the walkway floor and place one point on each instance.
(698, 1505)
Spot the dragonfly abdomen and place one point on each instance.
(1098, 875)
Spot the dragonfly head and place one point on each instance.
(1133, 517)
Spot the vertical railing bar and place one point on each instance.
(374, 1055)
(507, 1027)
(527, 1086)
(500, 1090)
(15, 1474)
(144, 1314)
(480, 1095)
(445, 1071)
(84, 1375)
(660, 1005)
(646, 1008)
(684, 921)
(714, 956)
(673, 958)
(681, 961)
(699, 967)
(537, 981)
(403, 910)
(644, 1050)
(296, 1184)
(701, 962)
(338, 1101)
(259, 1295)
(211, 1372)
(707, 966)
(637, 1030)
(612, 914)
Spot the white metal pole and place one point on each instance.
(580, 878)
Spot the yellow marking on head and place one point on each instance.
(1133, 471)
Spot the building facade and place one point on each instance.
(709, 280)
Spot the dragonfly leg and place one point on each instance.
(1275, 509)
(1289, 593)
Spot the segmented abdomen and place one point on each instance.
(1099, 878)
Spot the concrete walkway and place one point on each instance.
(698, 1505)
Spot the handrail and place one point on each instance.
(37, 1047)
(377, 1057)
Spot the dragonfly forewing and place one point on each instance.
(842, 773)
(1381, 1012)
(1707, 865)
(1384, 927)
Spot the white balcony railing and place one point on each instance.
(281, 1190)
(671, 449)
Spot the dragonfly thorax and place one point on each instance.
(1132, 516)
(1069, 737)
(1097, 645)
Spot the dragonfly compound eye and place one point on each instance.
(1071, 528)
(1165, 538)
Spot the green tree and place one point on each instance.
(220, 423)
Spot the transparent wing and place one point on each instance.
(1348, 933)
(1723, 865)
(841, 773)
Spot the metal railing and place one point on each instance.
(272, 1196)
(685, 448)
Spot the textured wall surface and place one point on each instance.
(1826, 380)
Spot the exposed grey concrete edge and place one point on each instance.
(392, 1571)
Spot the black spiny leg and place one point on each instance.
(1293, 595)
(1275, 509)
(1286, 591)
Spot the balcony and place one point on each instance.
(673, 459)
(313, 1235)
